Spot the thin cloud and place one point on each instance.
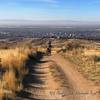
(49, 1)
(96, 1)
(45, 1)
(52, 3)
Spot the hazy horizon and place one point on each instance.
(47, 22)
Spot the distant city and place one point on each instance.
(50, 32)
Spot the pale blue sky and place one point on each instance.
(88, 10)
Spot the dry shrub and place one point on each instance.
(73, 45)
(96, 58)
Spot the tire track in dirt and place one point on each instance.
(82, 88)
(52, 78)
(45, 82)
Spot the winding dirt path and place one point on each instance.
(54, 78)
(82, 88)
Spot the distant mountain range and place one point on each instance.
(46, 22)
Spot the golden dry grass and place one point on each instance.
(1, 91)
(10, 80)
(86, 55)
(13, 57)
(13, 61)
(91, 52)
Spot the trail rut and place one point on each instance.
(53, 78)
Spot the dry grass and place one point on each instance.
(91, 52)
(1, 91)
(10, 80)
(13, 57)
(13, 61)
(87, 56)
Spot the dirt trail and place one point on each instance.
(83, 89)
(54, 78)
(44, 82)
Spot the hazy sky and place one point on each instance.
(88, 10)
